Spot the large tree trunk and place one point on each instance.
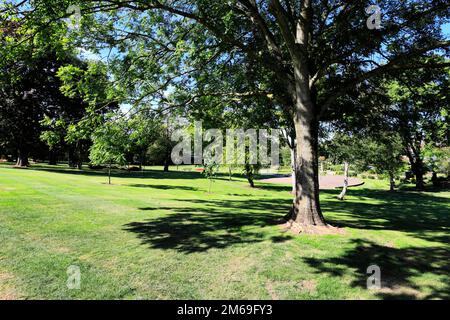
(345, 188)
(22, 158)
(420, 184)
(418, 170)
(417, 167)
(306, 211)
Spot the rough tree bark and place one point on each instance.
(345, 188)
(306, 211)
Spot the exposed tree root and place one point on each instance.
(298, 228)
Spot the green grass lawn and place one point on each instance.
(163, 236)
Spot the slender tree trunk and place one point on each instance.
(249, 174)
(142, 164)
(71, 157)
(109, 174)
(391, 182)
(52, 158)
(166, 166)
(22, 158)
(167, 160)
(293, 170)
(80, 155)
(141, 161)
(230, 173)
(344, 189)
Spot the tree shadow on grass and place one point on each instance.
(223, 223)
(398, 269)
(219, 223)
(421, 215)
(147, 174)
(213, 224)
(273, 187)
(162, 187)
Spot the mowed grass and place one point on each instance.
(164, 236)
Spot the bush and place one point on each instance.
(353, 174)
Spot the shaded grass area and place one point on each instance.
(157, 235)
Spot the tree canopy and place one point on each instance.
(306, 58)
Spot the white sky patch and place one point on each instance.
(125, 107)
(88, 55)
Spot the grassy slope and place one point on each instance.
(163, 236)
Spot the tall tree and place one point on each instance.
(312, 52)
(419, 110)
(145, 129)
(110, 144)
(30, 89)
(89, 83)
